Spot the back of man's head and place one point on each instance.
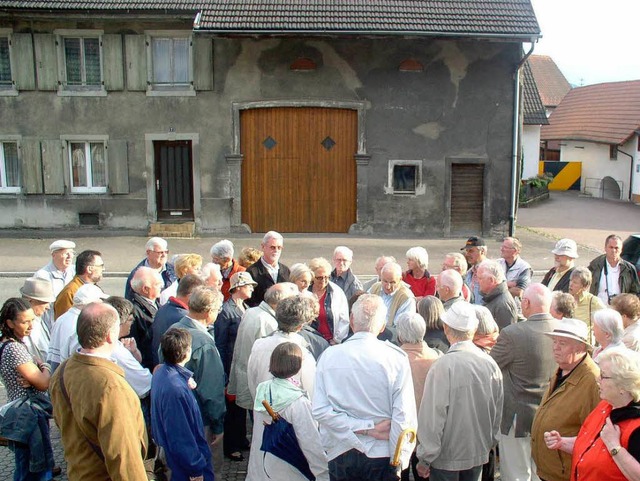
(368, 314)
(294, 312)
(144, 277)
(123, 306)
(95, 322)
(494, 269)
(451, 279)
(275, 294)
(538, 296)
(205, 299)
(84, 260)
(187, 284)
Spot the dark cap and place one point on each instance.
(474, 241)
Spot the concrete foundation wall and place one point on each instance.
(460, 106)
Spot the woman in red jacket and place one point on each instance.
(608, 444)
(417, 276)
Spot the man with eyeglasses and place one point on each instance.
(267, 271)
(157, 255)
(342, 275)
(59, 271)
(89, 270)
(517, 271)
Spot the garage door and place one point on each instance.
(467, 194)
(298, 169)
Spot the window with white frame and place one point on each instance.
(80, 54)
(171, 66)
(405, 177)
(9, 167)
(6, 81)
(88, 167)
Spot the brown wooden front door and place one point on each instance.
(174, 180)
(299, 169)
(467, 198)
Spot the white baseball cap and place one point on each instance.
(461, 316)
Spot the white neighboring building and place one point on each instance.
(599, 125)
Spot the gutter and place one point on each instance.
(630, 170)
(516, 140)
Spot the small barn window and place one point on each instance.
(405, 177)
(303, 64)
(411, 65)
(613, 152)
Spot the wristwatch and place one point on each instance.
(615, 450)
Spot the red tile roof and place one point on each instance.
(534, 113)
(607, 113)
(552, 85)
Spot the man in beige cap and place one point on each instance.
(39, 293)
(572, 394)
(565, 253)
(462, 390)
(59, 271)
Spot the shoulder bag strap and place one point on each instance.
(96, 449)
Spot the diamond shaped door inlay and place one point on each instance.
(269, 143)
(328, 143)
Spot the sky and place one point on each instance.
(591, 41)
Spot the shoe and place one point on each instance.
(237, 456)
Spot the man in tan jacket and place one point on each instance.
(572, 394)
(98, 413)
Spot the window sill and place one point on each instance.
(82, 93)
(89, 192)
(10, 92)
(186, 92)
(9, 190)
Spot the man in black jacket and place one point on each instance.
(267, 271)
(612, 275)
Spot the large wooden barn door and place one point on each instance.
(298, 169)
(467, 196)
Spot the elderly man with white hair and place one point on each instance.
(146, 285)
(268, 271)
(608, 330)
(457, 262)
(396, 297)
(364, 399)
(222, 254)
(460, 413)
(64, 340)
(495, 293)
(157, 250)
(450, 288)
(59, 271)
(378, 265)
(212, 276)
(342, 275)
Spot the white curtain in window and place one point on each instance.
(92, 61)
(78, 164)
(73, 60)
(98, 165)
(161, 52)
(181, 60)
(11, 166)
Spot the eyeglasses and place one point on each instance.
(160, 252)
(98, 265)
(322, 278)
(604, 377)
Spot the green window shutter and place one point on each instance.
(203, 63)
(23, 68)
(113, 66)
(136, 62)
(46, 61)
(31, 166)
(118, 165)
(52, 166)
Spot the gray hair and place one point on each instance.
(209, 269)
(392, 267)
(431, 310)
(411, 327)
(539, 296)
(494, 269)
(610, 322)
(344, 250)
(486, 322)
(204, 299)
(297, 270)
(583, 275)
(624, 366)
(143, 277)
(319, 263)
(564, 302)
(156, 241)
(272, 235)
(294, 312)
(451, 279)
(277, 293)
(515, 243)
(368, 314)
(459, 261)
(222, 249)
(419, 255)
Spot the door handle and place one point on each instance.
(157, 184)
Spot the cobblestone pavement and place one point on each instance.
(231, 471)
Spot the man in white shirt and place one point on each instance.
(613, 275)
(267, 271)
(364, 400)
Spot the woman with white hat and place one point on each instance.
(565, 253)
(225, 332)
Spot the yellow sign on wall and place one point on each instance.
(566, 175)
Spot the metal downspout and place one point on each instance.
(630, 171)
(516, 140)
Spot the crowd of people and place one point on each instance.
(437, 375)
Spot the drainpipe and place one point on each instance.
(516, 140)
(630, 170)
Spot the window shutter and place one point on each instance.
(52, 167)
(118, 165)
(112, 60)
(46, 61)
(136, 58)
(31, 166)
(23, 65)
(203, 63)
